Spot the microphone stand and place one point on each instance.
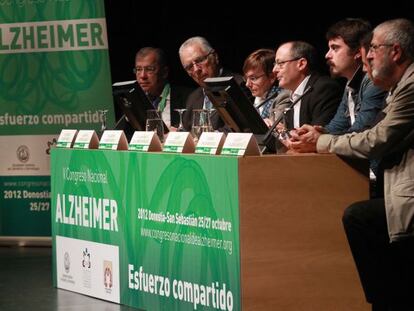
(267, 100)
(269, 137)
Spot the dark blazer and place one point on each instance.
(319, 106)
(196, 101)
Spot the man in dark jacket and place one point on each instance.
(295, 69)
(201, 61)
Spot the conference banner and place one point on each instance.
(54, 75)
(149, 230)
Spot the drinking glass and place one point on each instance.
(103, 120)
(181, 125)
(209, 124)
(200, 123)
(154, 123)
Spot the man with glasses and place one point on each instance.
(295, 68)
(381, 231)
(151, 72)
(201, 61)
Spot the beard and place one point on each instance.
(384, 71)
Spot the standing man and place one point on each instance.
(295, 68)
(381, 231)
(201, 61)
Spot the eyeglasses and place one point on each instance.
(254, 79)
(374, 47)
(280, 64)
(198, 61)
(147, 69)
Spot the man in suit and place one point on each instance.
(151, 71)
(381, 231)
(294, 67)
(201, 61)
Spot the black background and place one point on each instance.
(234, 28)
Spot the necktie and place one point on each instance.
(156, 102)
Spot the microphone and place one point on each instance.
(277, 121)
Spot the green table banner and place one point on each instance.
(149, 230)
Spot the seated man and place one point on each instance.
(151, 72)
(380, 232)
(294, 67)
(201, 61)
(362, 100)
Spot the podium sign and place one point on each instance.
(66, 138)
(179, 142)
(239, 144)
(145, 141)
(210, 143)
(113, 140)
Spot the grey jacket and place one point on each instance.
(393, 133)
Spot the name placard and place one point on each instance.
(113, 140)
(86, 139)
(66, 138)
(239, 144)
(210, 143)
(179, 142)
(145, 141)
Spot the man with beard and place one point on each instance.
(380, 232)
(361, 100)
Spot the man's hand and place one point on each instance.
(304, 139)
(268, 122)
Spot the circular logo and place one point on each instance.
(23, 153)
(66, 262)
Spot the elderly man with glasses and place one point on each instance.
(201, 61)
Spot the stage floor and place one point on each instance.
(26, 284)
